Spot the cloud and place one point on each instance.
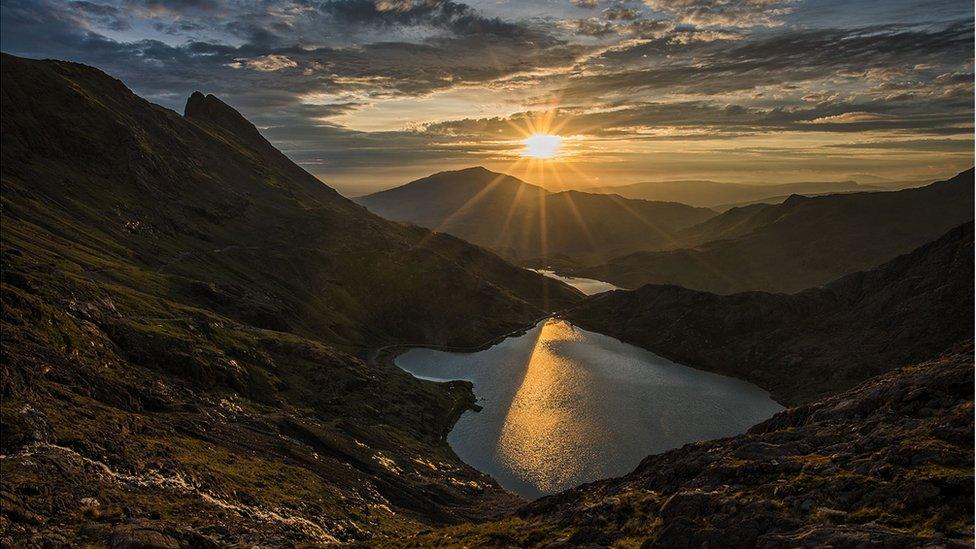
(849, 57)
(922, 145)
(105, 15)
(847, 118)
(592, 26)
(457, 18)
(725, 13)
(710, 119)
(264, 63)
(619, 12)
(165, 7)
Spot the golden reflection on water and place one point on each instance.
(541, 434)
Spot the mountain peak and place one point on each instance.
(794, 199)
(208, 108)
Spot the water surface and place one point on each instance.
(588, 286)
(563, 406)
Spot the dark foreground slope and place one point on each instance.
(528, 223)
(801, 243)
(809, 344)
(887, 464)
(174, 293)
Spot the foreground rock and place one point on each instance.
(887, 464)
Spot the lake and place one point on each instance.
(588, 286)
(563, 406)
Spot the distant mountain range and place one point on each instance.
(177, 300)
(801, 243)
(526, 222)
(712, 194)
(815, 342)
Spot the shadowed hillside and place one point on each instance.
(175, 292)
(801, 243)
(812, 343)
(205, 211)
(530, 224)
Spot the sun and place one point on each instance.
(541, 145)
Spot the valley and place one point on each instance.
(783, 247)
(588, 286)
(204, 345)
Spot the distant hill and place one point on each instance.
(812, 343)
(714, 194)
(181, 306)
(775, 200)
(526, 222)
(801, 243)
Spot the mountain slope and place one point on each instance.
(710, 194)
(812, 343)
(526, 222)
(177, 299)
(887, 464)
(801, 243)
(210, 210)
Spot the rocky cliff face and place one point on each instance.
(181, 306)
(812, 343)
(887, 464)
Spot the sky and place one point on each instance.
(369, 94)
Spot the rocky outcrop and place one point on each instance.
(887, 464)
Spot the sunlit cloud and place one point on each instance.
(846, 118)
(264, 63)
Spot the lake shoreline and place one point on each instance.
(556, 402)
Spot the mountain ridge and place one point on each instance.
(711, 194)
(801, 243)
(904, 311)
(531, 224)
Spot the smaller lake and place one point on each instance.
(563, 406)
(588, 286)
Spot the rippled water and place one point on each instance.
(563, 406)
(588, 286)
